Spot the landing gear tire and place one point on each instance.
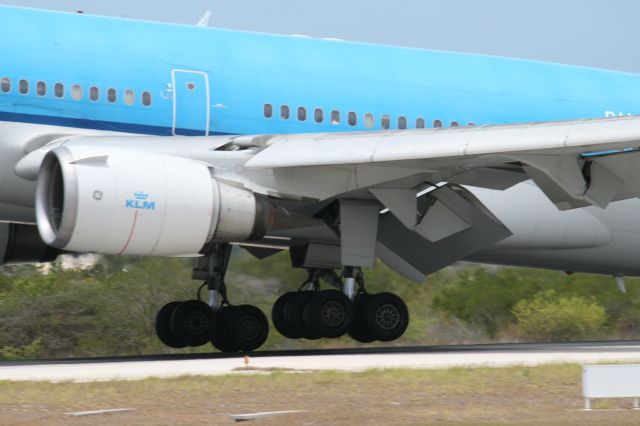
(221, 338)
(193, 322)
(386, 316)
(293, 315)
(328, 313)
(360, 331)
(278, 315)
(163, 330)
(247, 327)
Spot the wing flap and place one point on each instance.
(419, 254)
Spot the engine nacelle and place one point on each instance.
(21, 244)
(121, 201)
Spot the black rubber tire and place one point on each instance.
(163, 330)
(293, 314)
(193, 321)
(247, 327)
(387, 316)
(360, 331)
(220, 338)
(278, 315)
(329, 313)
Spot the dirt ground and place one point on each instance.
(547, 395)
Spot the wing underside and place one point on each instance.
(429, 219)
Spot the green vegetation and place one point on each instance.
(109, 309)
(499, 302)
(548, 316)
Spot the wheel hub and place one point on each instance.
(387, 317)
(196, 323)
(333, 313)
(248, 327)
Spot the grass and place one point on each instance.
(541, 395)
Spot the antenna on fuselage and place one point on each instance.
(204, 21)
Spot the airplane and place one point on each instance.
(128, 137)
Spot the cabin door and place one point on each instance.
(191, 111)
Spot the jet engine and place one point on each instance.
(21, 244)
(122, 201)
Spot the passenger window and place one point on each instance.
(402, 122)
(5, 85)
(76, 92)
(94, 93)
(335, 117)
(318, 115)
(368, 120)
(146, 99)
(302, 113)
(41, 88)
(437, 124)
(420, 123)
(284, 112)
(23, 87)
(112, 95)
(58, 90)
(471, 124)
(353, 119)
(385, 121)
(268, 110)
(129, 97)
(455, 124)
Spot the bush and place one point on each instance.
(550, 317)
(480, 297)
(487, 298)
(32, 350)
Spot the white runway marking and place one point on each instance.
(257, 416)
(77, 371)
(98, 412)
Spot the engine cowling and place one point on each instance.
(121, 201)
(21, 244)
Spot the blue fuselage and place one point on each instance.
(94, 72)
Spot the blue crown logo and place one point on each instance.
(141, 195)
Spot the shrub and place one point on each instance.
(550, 317)
(487, 299)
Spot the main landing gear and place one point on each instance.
(311, 314)
(194, 323)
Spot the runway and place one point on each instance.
(164, 366)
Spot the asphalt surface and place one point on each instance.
(355, 359)
(614, 345)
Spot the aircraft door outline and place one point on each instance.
(191, 102)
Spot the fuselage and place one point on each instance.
(186, 74)
(86, 73)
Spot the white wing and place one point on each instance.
(576, 163)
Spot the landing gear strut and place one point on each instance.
(194, 323)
